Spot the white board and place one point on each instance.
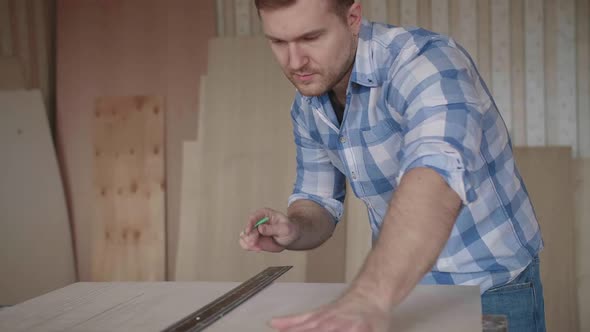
(36, 253)
(147, 307)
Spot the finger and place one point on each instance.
(276, 230)
(249, 242)
(256, 216)
(292, 321)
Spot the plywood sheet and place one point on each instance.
(547, 173)
(583, 76)
(409, 12)
(11, 74)
(36, 253)
(142, 307)
(128, 229)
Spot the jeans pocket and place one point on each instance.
(516, 302)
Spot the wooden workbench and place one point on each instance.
(133, 306)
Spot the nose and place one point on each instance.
(297, 57)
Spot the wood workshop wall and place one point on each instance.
(27, 47)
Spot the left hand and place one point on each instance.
(352, 312)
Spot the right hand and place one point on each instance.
(273, 236)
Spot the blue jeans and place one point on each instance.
(520, 300)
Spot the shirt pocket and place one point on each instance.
(381, 132)
(382, 143)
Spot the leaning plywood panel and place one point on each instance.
(128, 228)
(36, 253)
(247, 158)
(11, 73)
(547, 173)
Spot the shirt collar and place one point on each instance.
(363, 71)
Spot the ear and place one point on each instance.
(354, 18)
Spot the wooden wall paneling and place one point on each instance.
(550, 27)
(394, 12)
(36, 252)
(220, 15)
(425, 14)
(129, 189)
(566, 111)
(378, 10)
(583, 75)
(12, 73)
(255, 20)
(103, 41)
(229, 19)
(358, 234)
(501, 64)
(582, 228)
(534, 52)
(5, 29)
(44, 54)
(464, 26)
(20, 36)
(484, 64)
(517, 72)
(409, 12)
(440, 17)
(243, 21)
(547, 174)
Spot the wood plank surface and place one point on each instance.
(517, 72)
(128, 229)
(36, 252)
(132, 307)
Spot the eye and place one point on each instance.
(311, 38)
(277, 41)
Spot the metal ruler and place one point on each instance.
(213, 311)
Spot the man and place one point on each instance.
(405, 116)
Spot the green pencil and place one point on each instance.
(261, 221)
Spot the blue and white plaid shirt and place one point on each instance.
(416, 99)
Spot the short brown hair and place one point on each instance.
(340, 6)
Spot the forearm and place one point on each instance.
(314, 224)
(418, 223)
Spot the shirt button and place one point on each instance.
(342, 139)
(353, 175)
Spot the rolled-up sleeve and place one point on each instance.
(317, 178)
(442, 115)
